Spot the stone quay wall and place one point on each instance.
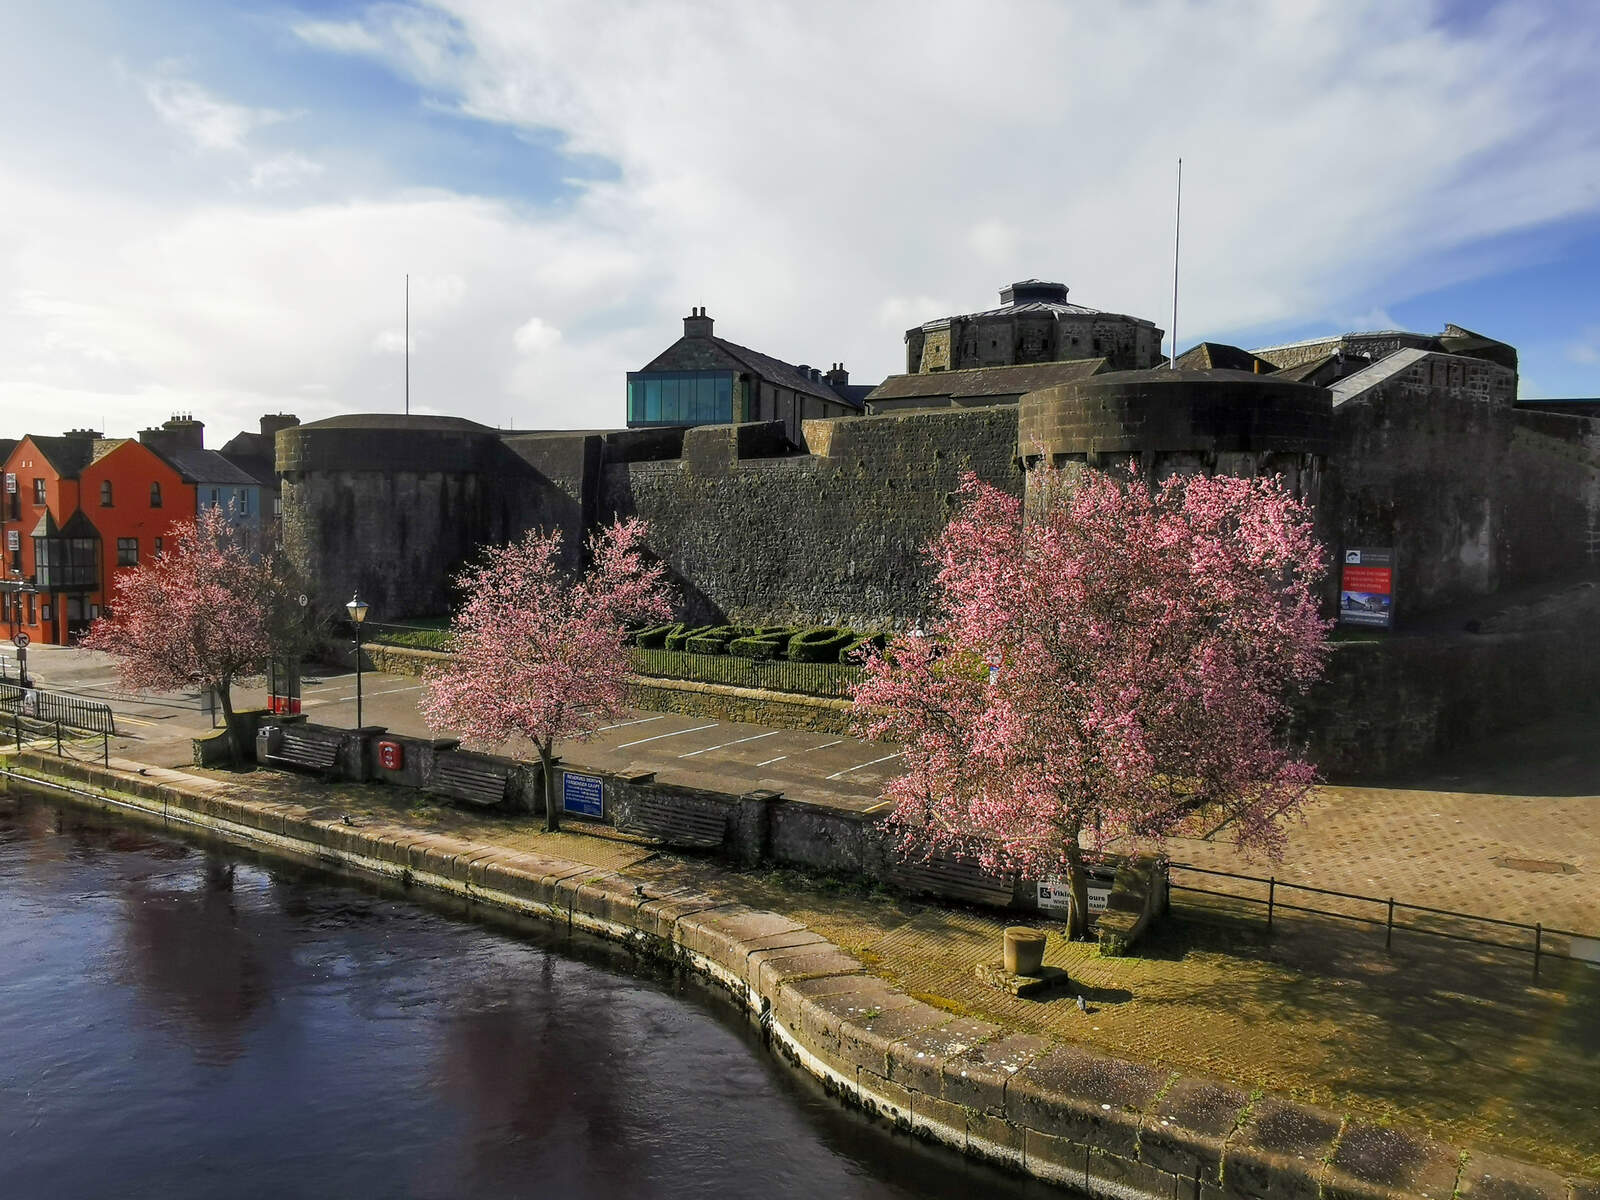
(1106, 1127)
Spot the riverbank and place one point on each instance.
(991, 1078)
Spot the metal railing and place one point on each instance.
(73, 712)
(29, 732)
(1539, 940)
(829, 680)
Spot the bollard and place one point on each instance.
(58, 737)
(1388, 929)
(1272, 896)
(1538, 945)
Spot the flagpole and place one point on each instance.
(1177, 225)
(408, 343)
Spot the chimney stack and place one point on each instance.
(183, 432)
(838, 377)
(697, 324)
(92, 435)
(272, 422)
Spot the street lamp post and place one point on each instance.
(357, 608)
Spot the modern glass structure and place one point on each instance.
(66, 559)
(681, 398)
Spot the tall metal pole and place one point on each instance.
(1177, 225)
(408, 345)
(358, 675)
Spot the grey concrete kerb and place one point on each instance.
(1066, 1113)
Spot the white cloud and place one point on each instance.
(283, 171)
(1585, 350)
(820, 178)
(208, 121)
(534, 336)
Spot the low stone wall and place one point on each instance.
(753, 706)
(1107, 1127)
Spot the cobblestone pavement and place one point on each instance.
(1510, 830)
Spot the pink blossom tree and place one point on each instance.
(204, 612)
(1113, 665)
(541, 652)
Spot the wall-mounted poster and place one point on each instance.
(1366, 587)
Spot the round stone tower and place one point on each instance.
(390, 506)
(1168, 422)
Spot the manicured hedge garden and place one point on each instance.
(824, 644)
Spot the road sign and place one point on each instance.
(304, 599)
(21, 641)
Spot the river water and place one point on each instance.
(179, 1020)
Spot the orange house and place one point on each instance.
(77, 509)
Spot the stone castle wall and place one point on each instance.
(837, 535)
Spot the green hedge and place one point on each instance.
(654, 637)
(766, 642)
(715, 639)
(820, 645)
(680, 635)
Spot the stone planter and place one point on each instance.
(1024, 950)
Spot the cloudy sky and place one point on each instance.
(212, 207)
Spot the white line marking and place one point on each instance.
(862, 766)
(640, 721)
(798, 753)
(674, 733)
(735, 742)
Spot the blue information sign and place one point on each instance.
(582, 795)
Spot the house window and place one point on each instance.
(155, 494)
(127, 552)
(105, 493)
(158, 548)
(244, 502)
(38, 491)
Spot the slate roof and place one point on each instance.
(7, 445)
(418, 421)
(1307, 370)
(1032, 306)
(987, 381)
(206, 466)
(78, 526)
(256, 455)
(66, 455)
(1220, 356)
(690, 354)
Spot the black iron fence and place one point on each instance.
(829, 680)
(1273, 896)
(50, 708)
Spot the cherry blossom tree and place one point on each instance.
(540, 652)
(204, 612)
(1113, 665)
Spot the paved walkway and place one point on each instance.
(1510, 829)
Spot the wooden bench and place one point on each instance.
(470, 780)
(297, 750)
(957, 878)
(678, 824)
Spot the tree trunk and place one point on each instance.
(1078, 881)
(229, 721)
(552, 820)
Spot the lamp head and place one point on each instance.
(357, 608)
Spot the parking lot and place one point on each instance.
(694, 751)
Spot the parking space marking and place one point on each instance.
(753, 738)
(863, 766)
(674, 733)
(798, 753)
(640, 721)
